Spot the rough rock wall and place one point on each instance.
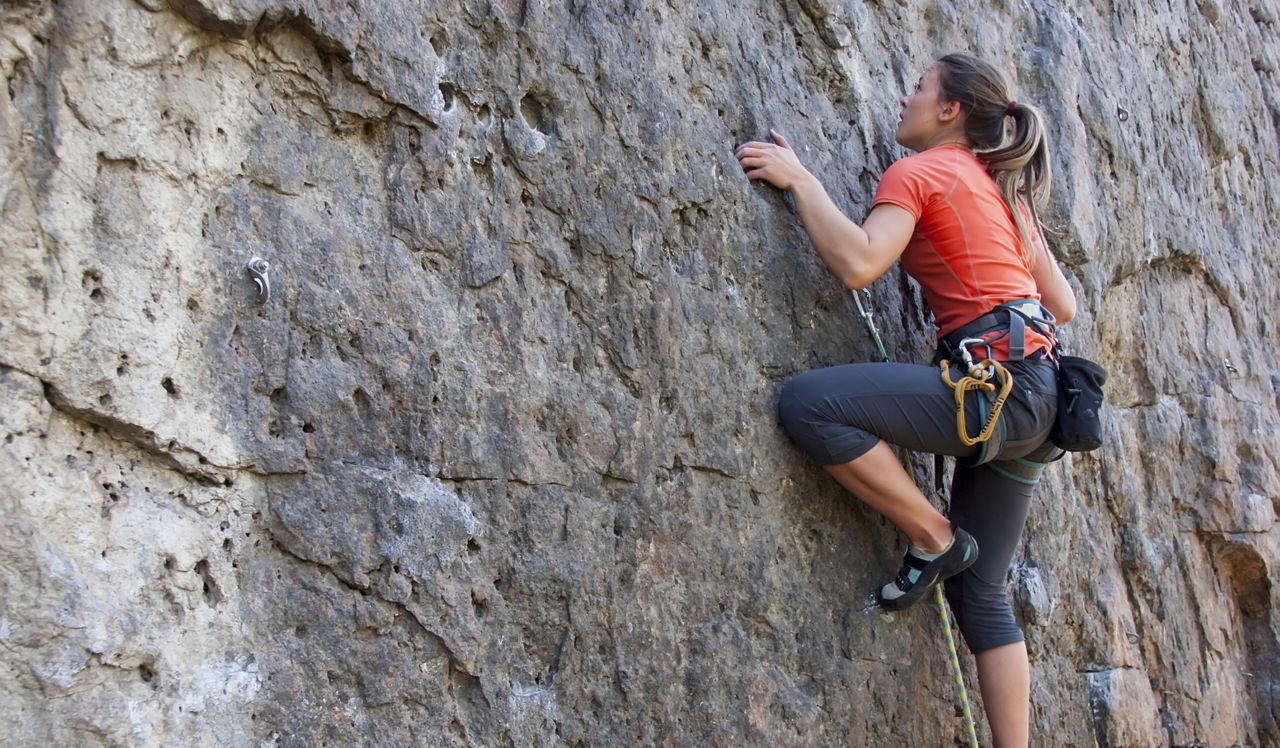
(497, 462)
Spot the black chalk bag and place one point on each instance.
(1078, 427)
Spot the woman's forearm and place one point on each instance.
(857, 255)
(842, 244)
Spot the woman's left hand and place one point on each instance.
(775, 163)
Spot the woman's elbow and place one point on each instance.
(1065, 310)
(856, 279)
(853, 283)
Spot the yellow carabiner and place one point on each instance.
(978, 378)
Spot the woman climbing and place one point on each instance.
(961, 214)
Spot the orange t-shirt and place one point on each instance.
(966, 252)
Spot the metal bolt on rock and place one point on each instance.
(258, 268)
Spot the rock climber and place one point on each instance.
(962, 215)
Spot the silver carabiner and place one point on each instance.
(969, 363)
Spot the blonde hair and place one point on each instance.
(1018, 161)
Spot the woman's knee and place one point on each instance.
(796, 408)
(982, 612)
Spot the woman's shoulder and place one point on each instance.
(946, 158)
(941, 163)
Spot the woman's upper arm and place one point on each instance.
(1055, 291)
(888, 228)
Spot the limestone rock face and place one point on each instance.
(497, 461)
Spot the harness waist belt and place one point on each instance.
(1012, 316)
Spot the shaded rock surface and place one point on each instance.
(497, 462)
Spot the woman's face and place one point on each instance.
(919, 122)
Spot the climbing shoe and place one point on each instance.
(921, 571)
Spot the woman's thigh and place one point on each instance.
(843, 410)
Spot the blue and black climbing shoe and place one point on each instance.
(921, 571)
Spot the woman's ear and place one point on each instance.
(949, 112)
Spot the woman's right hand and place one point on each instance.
(857, 255)
(775, 163)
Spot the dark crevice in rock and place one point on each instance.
(243, 25)
(212, 593)
(1193, 265)
(145, 671)
(179, 457)
(455, 662)
(275, 188)
(1251, 586)
(202, 16)
(237, 23)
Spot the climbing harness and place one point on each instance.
(905, 456)
(1007, 322)
(1077, 426)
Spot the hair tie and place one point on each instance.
(1009, 111)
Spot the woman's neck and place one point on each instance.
(949, 136)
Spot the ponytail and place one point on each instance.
(1018, 161)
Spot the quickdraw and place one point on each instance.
(980, 378)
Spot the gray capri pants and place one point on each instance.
(839, 413)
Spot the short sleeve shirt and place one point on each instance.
(966, 252)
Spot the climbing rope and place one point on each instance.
(905, 456)
(965, 711)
